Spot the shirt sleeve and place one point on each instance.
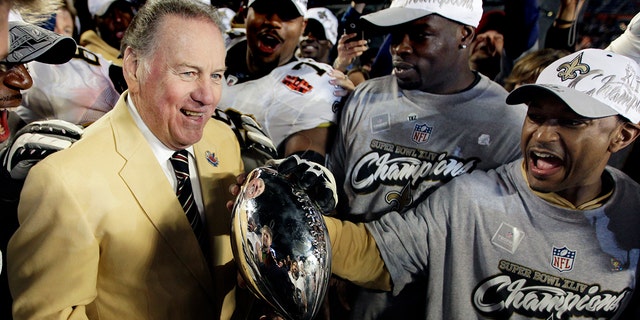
(355, 255)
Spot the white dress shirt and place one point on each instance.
(163, 154)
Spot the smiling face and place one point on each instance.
(15, 79)
(273, 33)
(566, 153)
(176, 89)
(314, 43)
(426, 54)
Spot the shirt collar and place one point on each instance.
(160, 151)
(557, 200)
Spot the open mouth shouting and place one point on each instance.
(483, 50)
(8, 101)
(544, 164)
(269, 43)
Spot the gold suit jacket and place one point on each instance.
(103, 236)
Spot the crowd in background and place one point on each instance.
(597, 23)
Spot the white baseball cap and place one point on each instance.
(301, 5)
(99, 7)
(327, 19)
(466, 12)
(628, 43)
(595, 83)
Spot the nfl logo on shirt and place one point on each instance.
(421, 133)
(563, 259)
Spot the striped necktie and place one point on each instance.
(180, 162)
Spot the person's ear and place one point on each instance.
(302, 28)
(130, 63)
(627, 133)
(467, 34)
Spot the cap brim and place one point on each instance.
(31, 43)
(583, 104)
(314, 26)
(292, 5)
(395, 16)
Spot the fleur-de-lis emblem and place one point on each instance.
(323, 16)
(399, 200)
(571, 69)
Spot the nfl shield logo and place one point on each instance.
(563, 259)
(421, 133)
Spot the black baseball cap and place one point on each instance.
(28, 42)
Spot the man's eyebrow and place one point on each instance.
(188, 65)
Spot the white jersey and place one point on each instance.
(293, 97)
(79, 91)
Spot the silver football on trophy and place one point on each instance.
(281, 244)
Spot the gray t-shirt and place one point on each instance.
(394, 146)
(491, 248)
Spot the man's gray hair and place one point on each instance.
(141, 33)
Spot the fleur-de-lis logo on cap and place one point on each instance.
(571, 69)
(323, 16)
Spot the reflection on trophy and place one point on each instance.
(281, 244)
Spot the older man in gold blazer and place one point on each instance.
(102, 234)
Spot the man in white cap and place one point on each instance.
(402, 136)
(551, 236)
(629, 44)
(292, 99)
(273, 30)
(21, 145)
(320, 35)
(111, 18)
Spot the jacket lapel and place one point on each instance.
(157, 199)
(214, 183)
